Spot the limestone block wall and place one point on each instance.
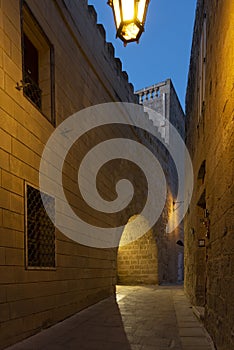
(153, 257)
(210, 139)
(162, 98)
(137, 262)
(86, 73)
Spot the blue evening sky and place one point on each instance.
(164, 48)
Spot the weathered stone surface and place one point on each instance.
(86, 73)
(156, 258)
(208, 275)
(142, 318)
(137, 262)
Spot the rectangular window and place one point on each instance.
(38, 65)
(40, 231)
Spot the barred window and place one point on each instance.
(38, 64)
(40, 231)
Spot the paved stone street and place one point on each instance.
(142, 318)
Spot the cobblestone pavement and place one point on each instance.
(142, 318)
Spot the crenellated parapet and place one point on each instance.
(150, 93)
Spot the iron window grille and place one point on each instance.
(31, 89)
(40, 231)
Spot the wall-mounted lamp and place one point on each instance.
(130, 18)
(201, 243)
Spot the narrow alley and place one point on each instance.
(116, 175)
(141, 318)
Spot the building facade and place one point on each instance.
(209, 224)
(54, 61)
(155, 257)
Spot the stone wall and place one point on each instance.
(210, 139)
(167, 104)
(155, 258)
(86, 73)
(137, 262)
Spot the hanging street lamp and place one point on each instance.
(130, 18)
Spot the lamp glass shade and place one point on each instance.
(117, 13)
(142, 6)
(129, 17)
(128, 10)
